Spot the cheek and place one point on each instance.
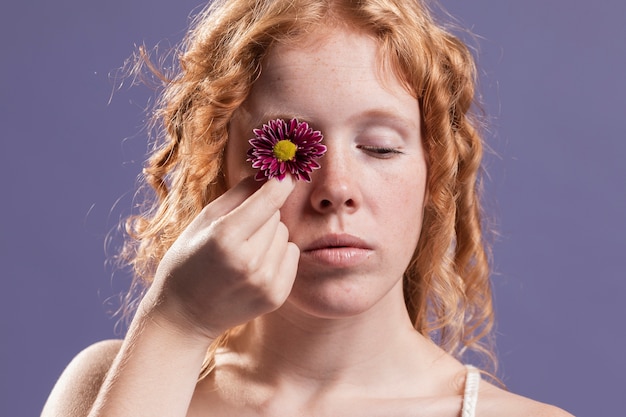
(292, 212)
(401, 205)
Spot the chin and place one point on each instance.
(332, 298)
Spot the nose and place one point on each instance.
(336, 184)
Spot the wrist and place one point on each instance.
(172, 321)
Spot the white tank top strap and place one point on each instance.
(470, 395)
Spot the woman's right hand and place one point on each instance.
(234, 262)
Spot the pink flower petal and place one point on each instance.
(307, 140)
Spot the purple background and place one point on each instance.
(553, 82)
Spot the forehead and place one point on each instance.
(326, 55)
(334, 73)
(325, 47)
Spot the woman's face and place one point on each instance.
(358, 221)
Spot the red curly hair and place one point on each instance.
(446, 285)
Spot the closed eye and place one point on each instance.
(380, 152)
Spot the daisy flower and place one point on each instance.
(282, 147)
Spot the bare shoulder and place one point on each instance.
(78, 385)
(494, 401)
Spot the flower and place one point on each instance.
(280, 147)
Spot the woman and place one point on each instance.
(354, 293)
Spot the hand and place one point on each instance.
(234, 262)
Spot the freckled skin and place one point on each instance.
(335, 85)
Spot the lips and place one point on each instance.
(337, 250)
(337, 241)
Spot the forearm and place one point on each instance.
(154, 374)
(215, 276)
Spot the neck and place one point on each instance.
(290, 346)
(292, 363)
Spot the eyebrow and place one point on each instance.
(386, 117)
(266, 117)
(366, 118)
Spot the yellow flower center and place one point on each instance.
(285, 150)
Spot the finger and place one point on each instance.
(262, 240)
(256, 210)
(231, 199)
(287, 270)
(274, 245)
(278, 272)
